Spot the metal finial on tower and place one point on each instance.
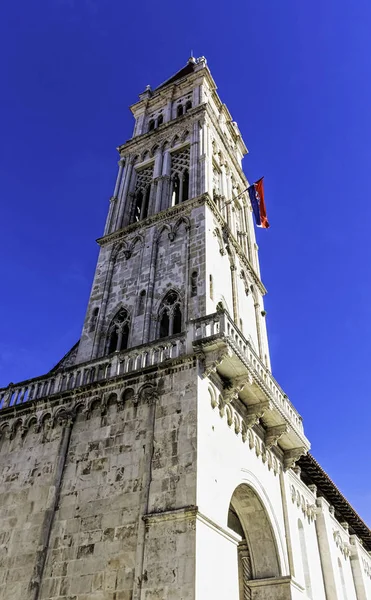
(192, 58)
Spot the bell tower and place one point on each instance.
(179, 240)
(160, 459)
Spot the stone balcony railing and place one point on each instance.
(225, 350)
(102, 369)
(229, 353)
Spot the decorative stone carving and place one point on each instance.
(273, 434)
(366, 567)
(309, 510)
(291, 456)
(344, 548)
(256, 411)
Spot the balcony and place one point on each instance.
(228, 353)
(99, 370)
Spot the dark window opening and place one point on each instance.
(94, 318)
(185, 191)
(113, 341)
(188, 106)
(144, 214)
(177, 320)
(151, 125)
(194, 284)
(142, 298)
(160, 120)
(124, 337)
(164, 324)
(170, 315)
(179, 110)
(118, 336)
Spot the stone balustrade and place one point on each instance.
(220, 324)
(217, 325)
(102, 369)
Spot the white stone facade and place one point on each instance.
(160, 459)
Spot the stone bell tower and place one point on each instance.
(179, 240)
(160, 459)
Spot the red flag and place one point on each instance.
(263, 212)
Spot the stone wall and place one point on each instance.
(130, 452)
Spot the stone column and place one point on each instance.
(157, 173)
(244, 570)
(163, 199)
(125, 186)
(111, 215)
(204, 160)
(194, 162)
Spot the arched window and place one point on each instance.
(185, 187)
(304, 559)
(170, 315)
(188, 106)
(160, 120)
(151, 125)
(142, 299)
(118, 333)
(194, 283)
(175, 195)
(179, 110)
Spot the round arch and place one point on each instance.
(248, 517)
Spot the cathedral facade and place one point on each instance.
(160, 459)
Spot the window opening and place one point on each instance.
(170, 315)
(94, 318)
(160, 120)
(179, 110)
(151, 125)
(185, 194)
(142, 297)
(188, 106)
(145, 207)
(194, 284)
(118, 335)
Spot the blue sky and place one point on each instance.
(296, 78)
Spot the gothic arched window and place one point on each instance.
(118, 333)
(142, 193)
(151, 125)
(188, 106)
(160, 120)
(170, 315)
(179, 191)
(179, 110)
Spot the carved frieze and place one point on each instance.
(344, 548)
(309, 510)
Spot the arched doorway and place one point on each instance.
(257, 553)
